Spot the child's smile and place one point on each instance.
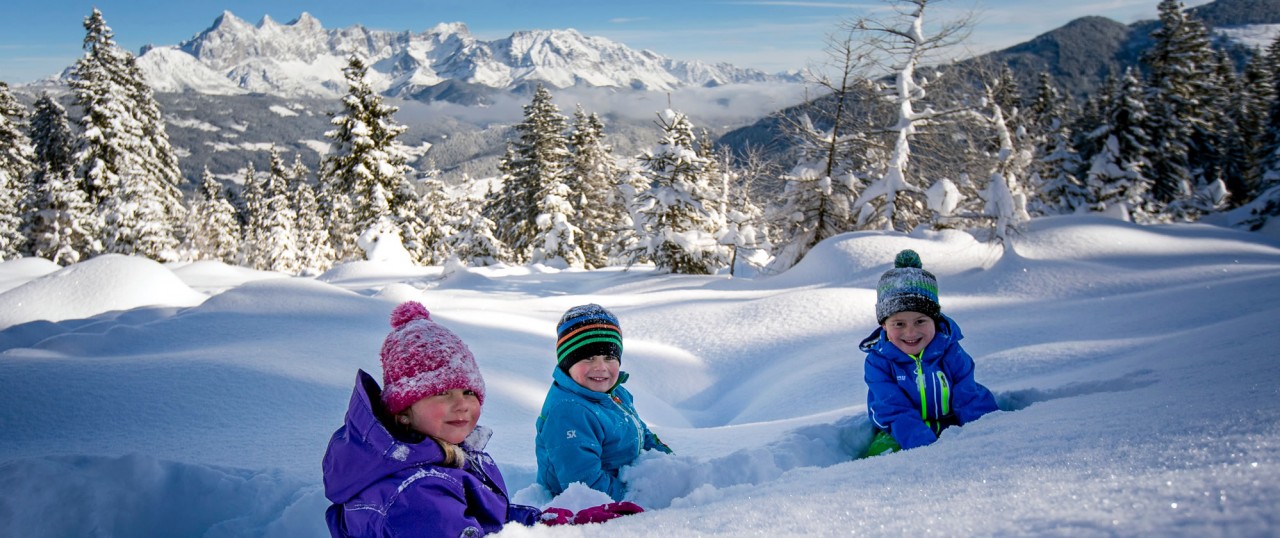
(598, 373)
(910, 332)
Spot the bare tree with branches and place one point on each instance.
(900, 45)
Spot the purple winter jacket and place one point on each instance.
(383, 486)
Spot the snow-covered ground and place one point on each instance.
(1136, 369)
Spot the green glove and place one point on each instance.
(882, 443)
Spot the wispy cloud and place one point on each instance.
(629, 20)
(823, 5)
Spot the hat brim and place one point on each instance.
(911, 303)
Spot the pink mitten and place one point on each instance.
(605, 512)
(556, 516)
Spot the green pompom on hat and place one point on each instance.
(907, 288)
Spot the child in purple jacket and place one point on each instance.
(410, 460)
(919, 380)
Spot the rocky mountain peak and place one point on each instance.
(302, 58)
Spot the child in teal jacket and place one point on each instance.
(589, 428)
(919, 379)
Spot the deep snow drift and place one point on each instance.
(1135, 369)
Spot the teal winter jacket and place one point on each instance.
(587, 436)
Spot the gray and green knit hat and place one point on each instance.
(586, 331)
(907, 288)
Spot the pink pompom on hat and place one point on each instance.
(421, 358)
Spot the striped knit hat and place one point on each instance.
(907, 288)
(586, 331)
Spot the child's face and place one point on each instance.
(448, 416)
(598, 373)
(910, 331)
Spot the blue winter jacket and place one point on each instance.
(383, 486)
(586, 436)
(943, 377)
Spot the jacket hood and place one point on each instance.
(363, 451)
(948, 333)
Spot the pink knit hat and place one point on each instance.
(420, 358)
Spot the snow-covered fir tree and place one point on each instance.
(315, 251)
(818, 195)
(678, 214)
(1249, 108)
(253, 206)
(745, 230)
(1058, 190)
(1223, 129)
(277, 248)
(624, 248)
(214, 223)
(1117, 176)
(558, 238)
(129, 169)
(364, 176)
(63, 226)
(438, 217)
(475, 243)
(1180, 78)
(1271, 162)
(593, 181)
(536, 162)
(896, 199)
(16, 156)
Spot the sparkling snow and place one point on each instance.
(1134, 366)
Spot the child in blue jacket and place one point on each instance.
(919, 379)
(589, 428)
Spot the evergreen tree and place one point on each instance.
(364, 176)
(315, 251)
(817, 197)
(1270, 176)
(535, 164)
(216, 230)
(16, 156)
(1180, 66)
(1117, 176)
(63, 226)
(253, 252)
(1223, 130)
(625, 247)
(557, 241)
(438, 218)
(129, 168)
(475, 243)
(678, 213)
(1053, 173)
(1249, 111)
(745, 228)
(278, 238)
(594, 176)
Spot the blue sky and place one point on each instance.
(40, 38)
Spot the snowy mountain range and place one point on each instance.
(303, 59)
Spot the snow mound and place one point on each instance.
(373, 275)
(141, 496)
(211, 276)
(858, 258)
(103, 284)
(21, 270)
